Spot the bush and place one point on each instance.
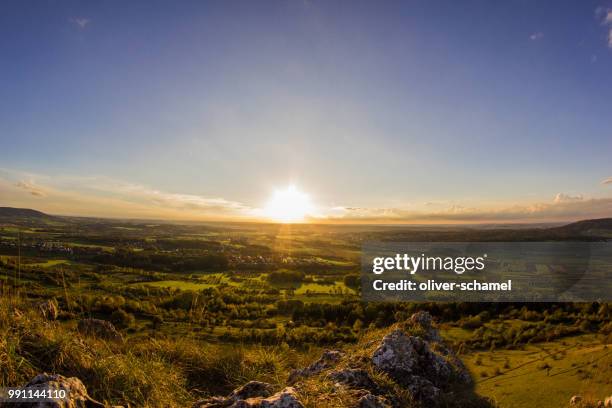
(280, 277)
(122, 319)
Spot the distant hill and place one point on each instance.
(22, 213)
(601, 226)
(25, 216)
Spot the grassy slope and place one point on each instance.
(544, 375)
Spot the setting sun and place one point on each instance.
(288, 205)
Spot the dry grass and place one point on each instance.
(143, 372)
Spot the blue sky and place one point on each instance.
(413, 111)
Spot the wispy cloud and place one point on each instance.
(566, 198)
(80, 22)
(107, 197)
(31, 188)
(102, 196)
(605, 16)
(536, 36)
(563, 207)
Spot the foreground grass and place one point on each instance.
(142, 371)
(545, 375)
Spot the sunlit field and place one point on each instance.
(253, 301)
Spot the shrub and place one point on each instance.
(122, 319)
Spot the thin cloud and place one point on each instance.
(80, 22)
(31, 188)
(536, 36)
(564, 207)
(605, 16)
(106, 197)
(564, 198)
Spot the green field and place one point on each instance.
(279, 297)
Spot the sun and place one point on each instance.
(288, 205)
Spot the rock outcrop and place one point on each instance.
(328, 359)
(411, 363)
(372, 401)
(413, 355)
(354, 377)
(250, 390)
(99, 328)
(423, 321)
(76, 393)
(575, 400)
(254, 394)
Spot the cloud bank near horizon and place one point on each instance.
(106, 197)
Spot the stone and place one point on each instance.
(372, 401)
(424, 320)
(254, 394)
(355, 378)
(287, 398)
(576, 400)
(250, 390)
(412, 363)
(328, 359)
(76, 393)
(99, 328)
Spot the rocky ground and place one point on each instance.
(409, 367)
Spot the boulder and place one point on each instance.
(250, 390)
(328, 359)
(286, 398)
(254, 394)
(76, 393)
(353, 377)
(422, 318)
(575, 400)
(413, 364)
(424, 321)
(372, 401)
(49, 309)
(99, 328)
(213, 402)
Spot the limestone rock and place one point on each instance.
(250, 390)
(372, 401)
(286, 398)
(76, 393)
(356, 378)
(424, 320)
(213, 402)
(254, 394)
(575, 400)
(413, 364)
(99, 328)
(328, 359)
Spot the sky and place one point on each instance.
(414, 111)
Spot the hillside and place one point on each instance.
(8, 212)
(25, 216)
(596, 227)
